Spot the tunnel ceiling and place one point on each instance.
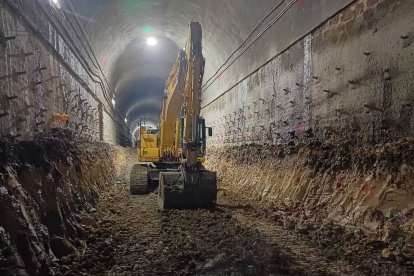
(118, 30)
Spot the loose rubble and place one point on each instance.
(135, 238)
(47, 188)
(353, 201)
(308, 209)
(239, 237)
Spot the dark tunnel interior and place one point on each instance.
(138, 77)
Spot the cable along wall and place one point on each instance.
(45, 73)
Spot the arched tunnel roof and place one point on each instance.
(118, 30)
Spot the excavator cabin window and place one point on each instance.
(201, 136)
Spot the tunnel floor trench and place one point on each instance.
(131, 237)
(128, 235)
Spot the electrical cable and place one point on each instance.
(267, 27)
(85, 63)
(76, 52)
(29, 23)
(244, 41)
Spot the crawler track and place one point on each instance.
(138, 180)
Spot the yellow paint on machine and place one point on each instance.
(148, 150)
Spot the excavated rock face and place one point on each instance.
(46, 188)
(368, 188)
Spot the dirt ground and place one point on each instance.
(65, 209)
(128, 235)
(134, 238)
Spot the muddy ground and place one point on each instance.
(65, 209)
(128, 235)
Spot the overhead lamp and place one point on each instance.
(152, 41)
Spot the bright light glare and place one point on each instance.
(151, 41)
(113, 101)
(126, 120)
(56, 3)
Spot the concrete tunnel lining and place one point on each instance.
(112, 26)
(231, 30)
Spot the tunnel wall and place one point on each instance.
(348, 79)
(279, 29)
(46, 69)
(322, 134)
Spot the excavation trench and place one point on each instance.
(66, 210)
(251, 232)
(130, 236)
(48, 187)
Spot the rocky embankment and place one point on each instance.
(349, 199)
(48, 190)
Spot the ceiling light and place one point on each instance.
(151, 41)
(55, 3)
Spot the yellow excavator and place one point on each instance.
(173, 154)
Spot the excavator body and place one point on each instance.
(172, 155)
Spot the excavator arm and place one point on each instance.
(182, 131)
(171, 110)
(192, 186)
(192, 95)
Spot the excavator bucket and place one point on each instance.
(194, 190)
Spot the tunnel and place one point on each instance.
(292, 119)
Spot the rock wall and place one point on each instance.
(48, 188)
(367, 188)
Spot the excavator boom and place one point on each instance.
(192, 94)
